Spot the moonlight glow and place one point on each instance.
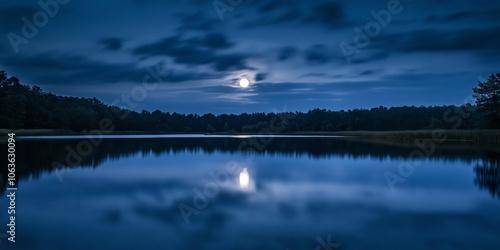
(244, 82)
(244, 179)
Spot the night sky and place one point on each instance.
(298, 55)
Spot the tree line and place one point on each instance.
(25, 107)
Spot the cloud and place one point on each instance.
(260, 77)
(328, 13)
(196, 21)
(113, 216)
(111, 43)
(480, 40)
(176, 45)
(321, 75)
(172, 45)
(67, 69)
(283, 92)
(288, 16)
(317, 54)
(468, 15)
(71, 69)
(275, 12)
(216, 41)
(181, 76)
(286, 53)
(370, 56)
(230, 62)
(272, 5)
(10, 19)
(367, 72)
(197, 51)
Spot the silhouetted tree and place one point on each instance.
(487, 96)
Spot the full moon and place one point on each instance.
(244, 82)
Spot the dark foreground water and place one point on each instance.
(251, 193)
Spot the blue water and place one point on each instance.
(187, 192)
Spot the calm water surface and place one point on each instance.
(283, 193)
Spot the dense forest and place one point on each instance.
(25, 107)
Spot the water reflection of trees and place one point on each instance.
(35, 157)
(488, 173)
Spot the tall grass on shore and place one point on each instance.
(476, 137)
(34, 132)
(41, 132)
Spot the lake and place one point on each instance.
(244, 192)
